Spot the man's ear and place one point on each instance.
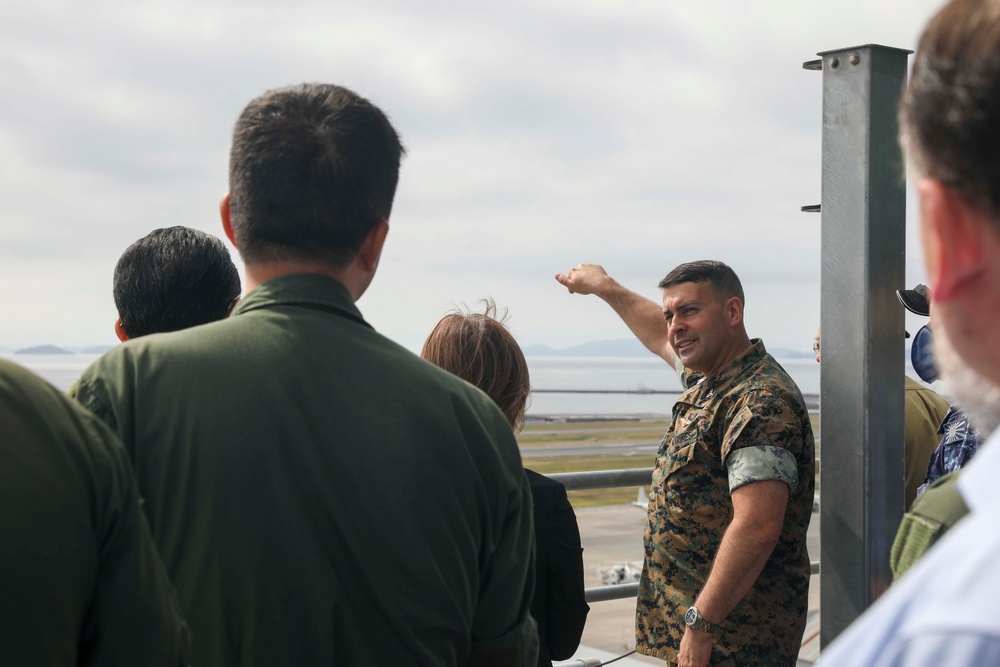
(952, 233)
(227, 222)
(120, 330)
(371, 247)
(734, 311)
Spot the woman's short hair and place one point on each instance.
(479, 348)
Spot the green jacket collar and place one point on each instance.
(307, 290)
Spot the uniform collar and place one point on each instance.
(308, 290)
(978, 479)
(704, 389)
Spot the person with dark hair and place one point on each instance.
(81, 581)
(946, 609)
(726, 573)
(321, 495)
(172, 279)
(478, 348)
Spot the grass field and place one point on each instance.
(582, 433)
(598, 433)
(593, 497)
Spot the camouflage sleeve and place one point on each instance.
(760, 463)
(763, 421)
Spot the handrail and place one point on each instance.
(609, 479)
(604, 479)
(631, 589)
(615, 592)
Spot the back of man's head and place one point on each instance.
(950, 112)
(172, 279)
(724, 281)
(312, 169)
(950, 127)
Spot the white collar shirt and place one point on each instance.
(946, 609)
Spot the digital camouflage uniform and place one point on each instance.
(747, 422)
(959, 443)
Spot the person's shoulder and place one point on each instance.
(958, 579)
(541, 484)
(428, 374)
(20, 379)
(917, 392)
(909, 384)
(22, 392)
(953, 416)
(768, 384)
(25, 398)
(769, 375)
(941, 501)
(430, 384)
(949, 593)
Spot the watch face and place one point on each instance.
(691, 616)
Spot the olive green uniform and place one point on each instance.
(746, 422)
(322, 496)
(933, 514)
(80, 580)
(923, 412)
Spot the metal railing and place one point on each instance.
(611, 479)
(604, 479)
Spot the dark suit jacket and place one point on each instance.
(558, 606)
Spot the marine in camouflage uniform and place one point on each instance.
(746, 422)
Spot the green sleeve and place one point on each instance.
(134, 616)
(503, 626)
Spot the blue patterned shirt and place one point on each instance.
(959, 442)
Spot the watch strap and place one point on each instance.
(694, 620)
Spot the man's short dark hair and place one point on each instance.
(172, 279)
(950, 112)
(312, 169)
(723, 279)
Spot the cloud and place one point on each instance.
(540, 134)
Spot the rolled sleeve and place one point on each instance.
(761, 463)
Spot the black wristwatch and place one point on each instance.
(693, 619)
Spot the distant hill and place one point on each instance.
(628, 347)
(42, 349)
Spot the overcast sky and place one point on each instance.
(541, 134)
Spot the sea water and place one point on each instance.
(548, 373)
(624, 373)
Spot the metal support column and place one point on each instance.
(861, 381)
